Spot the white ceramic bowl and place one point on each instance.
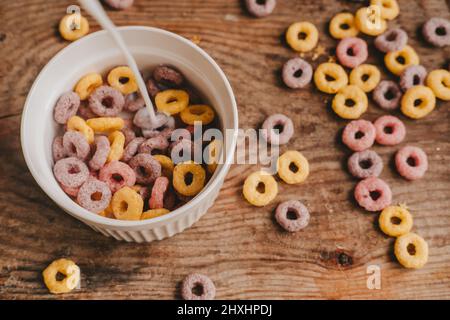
(97, 53)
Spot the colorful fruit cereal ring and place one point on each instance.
(411, 162)
(351, 52)
(389, 8)
(86, 85)
(411, 251)
(172, 101)
(366, 77)
(188, 178)
(197, 113)
(279, 122)
(76, 145)
(105, 124)
(292, 215)
(439, 82)
(260, 188)
(145, 167)
(94, 195)
(154, 213)
(292, 167)
(364, 164)
(122, 79)
(398, 61)
(129, 135)
(117, 142)
(259, 8)
(297, 73)
(368, 20)
(343, 26)
(359, 135)
(390, 130)
(133, 102)
(159, 189)
(106, 102)
(73, 26)
(198, 282)
(58, 149)
(373, 194)
(149, 146)
(107, 213)
(395, 221)
(102, 150)
(117, 175)
(418, 102)
(413, 76)
(71, 172)
(168, 76)
(392, 40)
(436, 31)
(302, 36)
(166, 163)
(119, 4)
(387, 95)
(127, 204)
(350, 102)
(66, 107)
(72, 192)
(330, 77)
(132, 148)
(68, 269)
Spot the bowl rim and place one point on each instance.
(87, 216)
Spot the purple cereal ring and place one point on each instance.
(58, 149)
(277, 122)
(292, 215)
(146, 168)
(414, 75)
(359, 135)
(106, 101)
(364, 164)
(119, 4)
(94, 195)
(390, 130)
(152, 88)
(71, 172)
(297, 73)
(373, 194)
(387, 95)
(260, 8)
(436, 31)
(76, 145)
(159, 189)
(132, 148)
(411, 162)
(168, 76)
(129, 135)
(102, 149)
(66, 107)
(133, 102)
(351, 52)
(117, 175)
(392, 40)
(85, 112)
(159, 143)
(198, 282)
(142, 119)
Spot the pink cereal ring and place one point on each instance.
(66, 107)
(373, 194)
(300, 215)
(94, 195)
(117, 175)
(156, 143)
(285, 133)
(359, 135)
(58, 149)
(159, 188)
(411, 162)
(106, 101)
(129, 135)
(351, 52)
(73, 192)
(102, 149)
(76, 145)
(146, 168)
(390, 130)
(132, 148)
(207, 292)
(71, 172)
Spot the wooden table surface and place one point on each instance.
(239, 246)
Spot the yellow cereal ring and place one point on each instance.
(65, 267)
(172, 101)
(86, 85)
(418, 102)
(76, 123)
(166, 163)
(395, 221)
(73, 26)
(368, 20)
(292, 167)
(197, 113)
(350, 102)
(302, 36)
(188, 188)
(366, 77)
(105, 124)
(127, 204)
(411, 251)
(330, 77)
(214, 149)
(122, 78)
(389, 9)
(257, 180)
(343, 26)
(154, 213)
(398, 61)
(117, 141)
(439, 82)
(107, 213)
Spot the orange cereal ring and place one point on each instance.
(172, 101)
(252, 188)
(86, 85)
(188, 178)
(122, 79)
(127, 204)
(197, 113)
(350, 102)
(68, 269)
(73, 26)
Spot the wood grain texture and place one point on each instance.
(240, 247)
